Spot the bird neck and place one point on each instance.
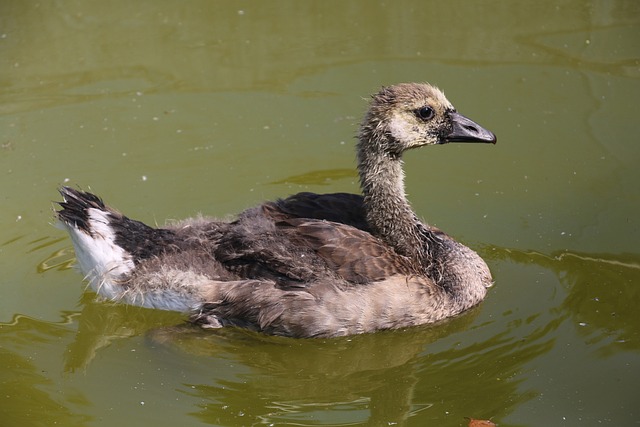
(388, 211)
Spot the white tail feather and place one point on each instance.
(102, 261)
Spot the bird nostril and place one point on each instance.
(471, 128)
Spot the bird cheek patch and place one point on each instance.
(400, 131)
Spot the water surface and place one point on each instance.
(167, 109)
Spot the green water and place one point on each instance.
(167, 109)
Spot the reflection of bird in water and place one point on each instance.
(307, 266)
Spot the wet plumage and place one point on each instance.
(310, 265)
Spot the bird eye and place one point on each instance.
(425, 113)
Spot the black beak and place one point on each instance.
(466, 130)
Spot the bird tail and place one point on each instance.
(108, 245)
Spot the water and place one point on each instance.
(167, 109)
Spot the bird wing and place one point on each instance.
(344, 208)
(353, 254)
(269, 243)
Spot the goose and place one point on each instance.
(309, 265)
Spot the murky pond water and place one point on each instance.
(167, 109)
